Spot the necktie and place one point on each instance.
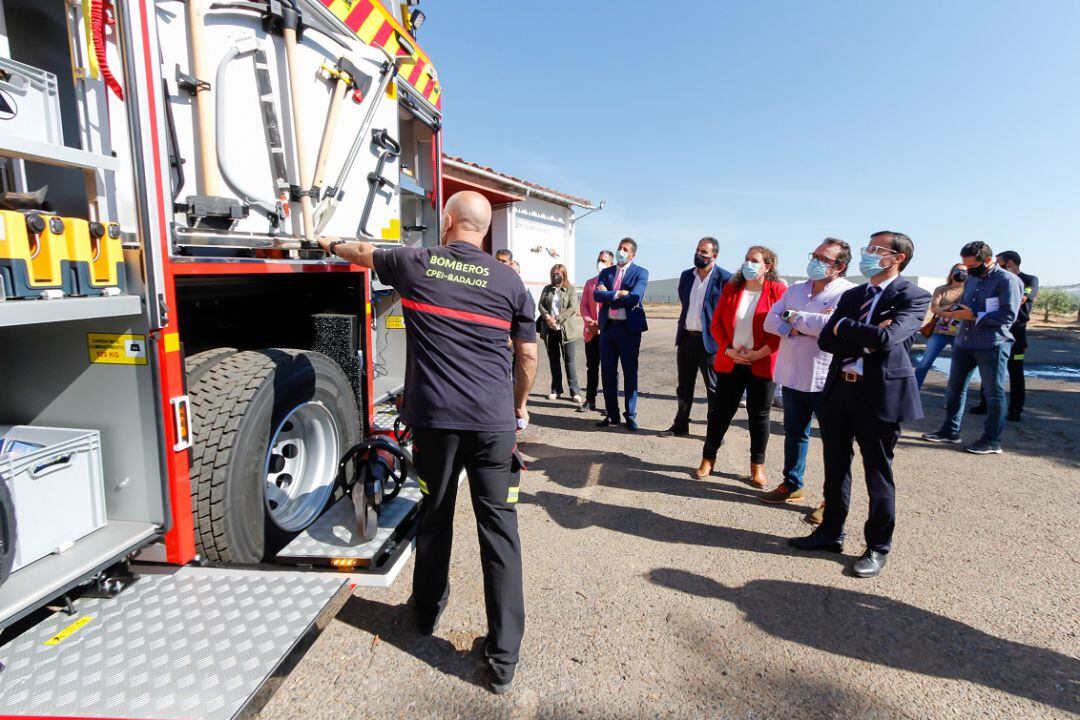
(871, 293)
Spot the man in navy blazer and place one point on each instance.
(699, 291)
(869, 391)
(619, 291)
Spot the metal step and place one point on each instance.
(385, 415)
(194, 643)
(332, 541)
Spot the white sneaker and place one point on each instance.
(553, 396)
(578, 400)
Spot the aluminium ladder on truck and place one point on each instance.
(121, 623)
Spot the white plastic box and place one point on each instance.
(57, 485)
(29, 103)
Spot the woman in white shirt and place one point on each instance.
(745, 358)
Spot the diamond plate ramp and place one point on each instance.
(195, 644)
(332, 539)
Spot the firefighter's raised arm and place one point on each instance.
(353, 251)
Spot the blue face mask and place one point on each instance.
(870, 265)
(622, 257)
(750, 270)
(817, 270)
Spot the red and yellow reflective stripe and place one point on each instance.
(375, 25)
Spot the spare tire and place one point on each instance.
(7, 530)
(269, 427)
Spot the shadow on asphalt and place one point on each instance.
(395, 624)
(586, 422)
(894, 634)
(1050, 429)
(580, 468)
(575, 513)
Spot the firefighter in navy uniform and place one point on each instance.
(460, 305)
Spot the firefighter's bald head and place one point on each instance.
(466, 217)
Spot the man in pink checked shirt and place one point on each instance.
(590, 313)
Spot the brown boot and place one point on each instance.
(704, 469)
(782, 494)
(818, 516)
(757, 476)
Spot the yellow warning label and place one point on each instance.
(393, 230)
(395, 322)
(172, 342)
(69, 630)
(116, 349)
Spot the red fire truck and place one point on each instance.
(198, 446)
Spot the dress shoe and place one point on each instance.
(704, 469)
(587, 407)
(817, 541)
(631, 424)
(607, 422)
(817, 517)
(758, 478)
(783, 493)
(499, 685)
(1014, 416)
(675, 431)
(978, 410)
(870, 564)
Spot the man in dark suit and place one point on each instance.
(619, 291)
(869, 391)
(699, 291)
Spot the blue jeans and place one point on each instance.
(934, 345)
(992, 367)
(799, 409)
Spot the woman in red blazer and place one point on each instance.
(745, 358)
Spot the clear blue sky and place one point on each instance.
(779, 123)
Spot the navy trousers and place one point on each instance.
(845, 419)
(619, 345)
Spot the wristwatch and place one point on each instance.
(789, 315)
(332, 247)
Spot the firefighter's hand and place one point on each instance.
(325, 240)
(522, 418)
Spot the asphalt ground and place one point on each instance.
(651, 594)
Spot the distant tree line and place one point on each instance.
(1055, 301)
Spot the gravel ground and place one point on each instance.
(650, 594)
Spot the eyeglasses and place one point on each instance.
(824, 261)
(878, 250)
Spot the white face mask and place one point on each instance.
(600, 266)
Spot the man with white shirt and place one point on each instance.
(801, 366)
(699, 291)
(869, 391)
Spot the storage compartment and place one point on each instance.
(56, 482)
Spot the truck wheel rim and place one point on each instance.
(301, 466)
